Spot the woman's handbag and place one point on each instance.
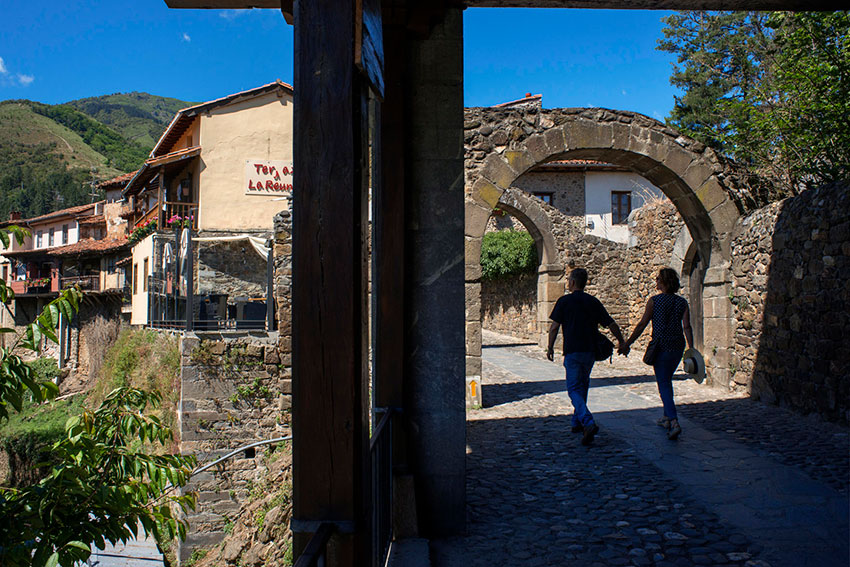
(602, 347)
(651, 352)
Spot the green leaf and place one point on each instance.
(53, 560)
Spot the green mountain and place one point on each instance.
(139, 117)
(50, 154)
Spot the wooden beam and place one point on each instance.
(330, 418)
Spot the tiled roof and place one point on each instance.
(69, 212)
(88, 246)
(526, 99)
(94, 219)
(145, 173)
(117, 182)
(83, 247)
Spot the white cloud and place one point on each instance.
(186, 37)
(3, 67)
(25, 80)
(232, 14)
(624, 92)
(657, 115)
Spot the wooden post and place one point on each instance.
(160, 203)
(330, 420)
(270, 287)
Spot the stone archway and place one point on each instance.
(550, 286)
(703, 187)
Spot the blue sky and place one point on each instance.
(54, 51)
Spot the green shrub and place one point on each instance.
(507, 253)
(45, 368)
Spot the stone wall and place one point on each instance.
(509, 306)
(234, 391)
(233, 268)
(791, 265)
(654, 228)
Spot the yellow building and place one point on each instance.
(222, 168)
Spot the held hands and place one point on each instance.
(623, 349)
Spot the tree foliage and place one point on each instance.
(104, 479)
(506, 253)
(771, 90)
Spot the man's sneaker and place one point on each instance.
(589, 433)
(674, 432)
(577, 428)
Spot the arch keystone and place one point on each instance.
(556, 141)
(537, 148)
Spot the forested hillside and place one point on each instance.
(50, 154)
(139, 117)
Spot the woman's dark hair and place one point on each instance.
(669, 280)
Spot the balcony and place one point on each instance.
(85, 283)
(35, 286)
(163, 214)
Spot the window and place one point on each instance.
(135, 279)
(621, 206)
(110, 265)
(50, 239)
(64, 234)
(145, 276)
(39, 237)
(5, 273)
(545, 197)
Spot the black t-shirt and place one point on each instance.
(580, 315)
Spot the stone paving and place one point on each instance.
(746, 484)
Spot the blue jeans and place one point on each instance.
(665, 365)
(578, 366)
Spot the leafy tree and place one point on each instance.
(104, 480)
(506, 253)
(771, 90)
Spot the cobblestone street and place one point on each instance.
(746, 484)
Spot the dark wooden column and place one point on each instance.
(330, 422)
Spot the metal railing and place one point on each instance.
(381, 455)
(314, 555)
(86, 283)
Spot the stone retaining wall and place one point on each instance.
(234, 389)
(791, 265)
(509, 306)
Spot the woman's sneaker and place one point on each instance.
(664, 422)
(589, 433)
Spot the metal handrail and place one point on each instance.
(317, 548)
(239, 450)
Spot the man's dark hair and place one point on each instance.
(579, 275)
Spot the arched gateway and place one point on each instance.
(703, 187)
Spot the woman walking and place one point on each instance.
(671, 327)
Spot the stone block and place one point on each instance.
(270, 355)
(472, 250)
(486, 193)
(724, 217)
(473, 365)
(620, 134)
(590, 134)
(717, 332)
(473, 302)
(472, 272)
(473, 336)
(476, 217)
(520, 161)
(556, 141)
(537, 148)
(254, 351)
(678, 160)
(711, 193)
(497, 170)
(697, 174)
(717, 307)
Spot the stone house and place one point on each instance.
(222, 169)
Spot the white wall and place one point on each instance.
(73, 234)
(142, 250)
(598, 187)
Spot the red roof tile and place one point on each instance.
(118, 182)
(89, 245)
(527, 98)
(70, 211)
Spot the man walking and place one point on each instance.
(580, 315)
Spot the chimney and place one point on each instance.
(527, 95)
(14, 215)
